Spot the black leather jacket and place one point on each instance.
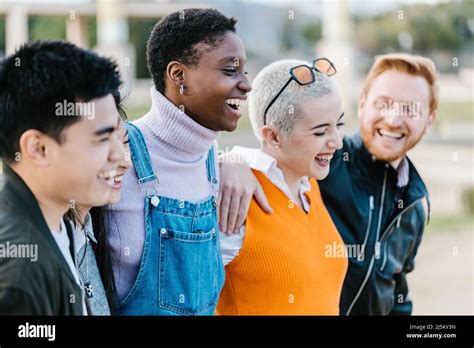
(43, 285)
(383, 222)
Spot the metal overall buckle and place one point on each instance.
(153, 192)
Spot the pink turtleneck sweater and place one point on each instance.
(178, 148)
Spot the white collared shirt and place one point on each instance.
(263, 162)
(403, 172)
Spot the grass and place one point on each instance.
(450, 223)
(134, 112)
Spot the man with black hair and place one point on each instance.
(58, 145)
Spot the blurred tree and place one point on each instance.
(312, 32)
(435, 30)
(49, 27)
(286, 39)
(467, 198)
(444, 27)
(140, 29)
(46, 28)
(91, 27)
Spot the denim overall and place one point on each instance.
(181, 270)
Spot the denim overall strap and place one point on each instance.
(181, 270)
(142, 162)
(211, 173)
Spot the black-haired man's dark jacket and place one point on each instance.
(27, 287)
(373, 215)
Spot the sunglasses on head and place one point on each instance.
(304, 75)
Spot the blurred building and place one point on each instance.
(111, 16)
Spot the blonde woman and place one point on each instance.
(278, 263)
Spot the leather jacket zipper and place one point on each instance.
(377, 247)
(361, 256)
(379, 226)
(388, 232)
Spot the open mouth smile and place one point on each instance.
(392, 135)
(234, 105)
(108, 177)
(323, 159)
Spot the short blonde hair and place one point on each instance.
(406, 63)
(286, 109)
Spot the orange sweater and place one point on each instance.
(285, 266)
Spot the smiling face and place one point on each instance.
(395, 114)
(317, 134)
(216, 87)
(83, 166)
(123, 166)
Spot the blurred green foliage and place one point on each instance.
(312, 32)
(91, 25)
(54, 28)
(46, 27)
(468, 200)
(444, 27)
(441, 27)
(450, 223)
(139, 31)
